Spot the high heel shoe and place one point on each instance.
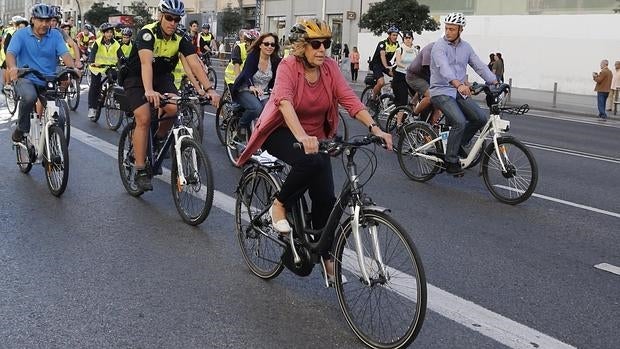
(280, 226)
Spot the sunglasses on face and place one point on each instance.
(267, 44)
(408, 37)
(171, 18)
(316, 44)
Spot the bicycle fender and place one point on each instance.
(375, 208)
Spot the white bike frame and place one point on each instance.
(41, 140)
(495, 125)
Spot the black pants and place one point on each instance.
(308, 172)
(95, 90)
(354, 71)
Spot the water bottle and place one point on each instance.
(444, 138)
(35, 127)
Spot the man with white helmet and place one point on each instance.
(450, 92)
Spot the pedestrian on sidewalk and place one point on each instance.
(602, 88)
(498, 67)
(615, 84)
(491, 61)
(355, 63)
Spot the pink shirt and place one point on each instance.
(290, 84)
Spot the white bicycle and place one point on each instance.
(46, 142)
(508, 167)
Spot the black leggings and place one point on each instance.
(308, 171)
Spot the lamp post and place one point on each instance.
(80, 14)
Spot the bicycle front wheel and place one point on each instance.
(64, 119)
(413, 165)
(193, 198)
(233, 143)
(212, 77)
(392, 120)
(517, 182)
(11, 99)
(56, 163)
(73, 94)
(389, 311)
(127, 160)
(257, 239)
(113, 113)
(222, 116)
(192, 117)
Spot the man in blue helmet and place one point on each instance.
(37, 47)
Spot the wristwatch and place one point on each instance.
(371, 126)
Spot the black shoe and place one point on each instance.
(454, 169)
(17, 136)
(143, 181)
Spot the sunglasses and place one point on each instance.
(171, 18)
(267, 44)
(408, 37)
(316, 44)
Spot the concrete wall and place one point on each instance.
(537, 50)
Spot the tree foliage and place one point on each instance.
(99, 13)
(404, 14)
(230, 20)
(141, 13)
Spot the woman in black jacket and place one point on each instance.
(252, 85)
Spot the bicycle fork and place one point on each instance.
(359, 248)
(182, 181)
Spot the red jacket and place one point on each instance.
(289, 85)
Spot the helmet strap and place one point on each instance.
(307, 64)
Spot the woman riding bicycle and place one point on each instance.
(257, 77)
(304, 108)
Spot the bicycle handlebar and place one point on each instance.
(493, 90)
(335, 146)
(21, 72)
(176, 99)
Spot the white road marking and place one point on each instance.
(462, 311)
(544, 197)
(573, 152)
(608, 267)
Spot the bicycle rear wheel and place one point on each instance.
(56, 163)
(127, 161)
(24, 158)
(413, 165)
(518, 182)
(255, 234)
(223, 114)
(73, 94)
(194, 198)
(389, 312)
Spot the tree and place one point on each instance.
(230, 20)
(141, 13)
(99, 13)
(404, 14)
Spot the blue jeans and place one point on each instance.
(27, 93)
(601, 98)
(465, 117)
(253, 107)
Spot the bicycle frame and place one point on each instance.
(41, 145)
(495, 126)
(177, 134)
(351, 196)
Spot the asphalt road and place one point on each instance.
(98, 268)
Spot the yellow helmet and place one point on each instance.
(312, 28)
